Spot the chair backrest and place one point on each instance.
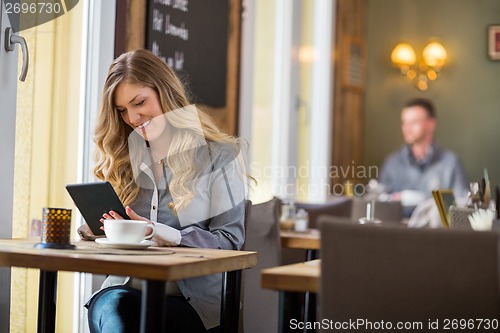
(260, 306)
(390, 211)
(337, 207)
(393, 274)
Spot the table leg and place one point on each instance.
(311, 254)
(153, 307)
(290, 308)
(47, 302)
(230, 302)
(310, 298)
(310, 309)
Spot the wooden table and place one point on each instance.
(293, 282)
(309, 241)
(301, 240)
(300, 277)
(155, 268)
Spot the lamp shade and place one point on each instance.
(403, 55)
(434, 55)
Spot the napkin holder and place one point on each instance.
(459, 217)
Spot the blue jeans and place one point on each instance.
(117, 310)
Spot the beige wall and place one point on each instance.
(262, 99)
(467, 96)
(46, 152)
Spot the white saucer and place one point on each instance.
(125, 246)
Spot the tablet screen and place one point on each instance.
(93, 200)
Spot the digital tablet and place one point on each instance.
(93, 200)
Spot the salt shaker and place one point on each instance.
(287, 216)
(301, 221)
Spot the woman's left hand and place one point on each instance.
(165, 235)
(112, 215)
(134, 216)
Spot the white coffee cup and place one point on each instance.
(128, 231)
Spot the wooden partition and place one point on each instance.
(349, 84)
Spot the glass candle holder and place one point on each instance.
(56, 229)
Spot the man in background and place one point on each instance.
(411, 174)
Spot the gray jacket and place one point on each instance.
(213, 219)
(441, 169)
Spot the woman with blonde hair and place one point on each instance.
(172, 167)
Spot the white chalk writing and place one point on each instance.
(178, 31)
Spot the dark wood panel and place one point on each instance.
(350, 59)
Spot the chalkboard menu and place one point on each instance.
(191, 36)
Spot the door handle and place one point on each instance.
(10, 40)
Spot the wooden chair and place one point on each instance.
(340, 207)
(407, 275)
(260, 306)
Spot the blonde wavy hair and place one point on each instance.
(111, 132)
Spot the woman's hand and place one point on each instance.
(165, 235)
(112, 215)
(134, 216)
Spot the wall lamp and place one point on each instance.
(428, 69)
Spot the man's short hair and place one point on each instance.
(423, 103)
